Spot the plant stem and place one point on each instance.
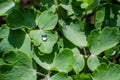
(55, 2)
(48, 77)
(85, 52)
(40, 74)
(85, 58)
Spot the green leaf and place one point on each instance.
(61, 76)
(45, 61)
(27, 46)
(16, 66)
(82, 76)
(100, 15)
(107, 72)
(101, 41)
(63, 62)
(93, 62)
(73, 33)
(1, 62)
(46, 3)
(52, 8)
(108, 15)
(17, 1)
(118, 0)
(4, 31)
(45, 46)
(22, 18)
(79, 61)
(16, 39)
(68, 8)
(110, 53)
(47, 20)
(72, 7)
(90, 4)
(6, 6)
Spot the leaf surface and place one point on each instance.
(107, 72)
(79, 61)
(101, 41)
(16, 39)
(47, 20)
(61, 76)
(4, 31)
(63, 61)
(108, 15)
(73, 33)
(23, 18)
(45, 46)
(6, 6)
(93, 62)
(45, 61)
(18, 67)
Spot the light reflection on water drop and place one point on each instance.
(44, 37)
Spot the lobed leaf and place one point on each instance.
(101, 41)
(18, 67)
(47, 20)
(45, 61)
(107, 72)
(79, 62)
(93, 62)
(22, 18)
(45, 46)
(16, 39)
(6, 6)
(63, 61)
(73, 33)
(108, 15)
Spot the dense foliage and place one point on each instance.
(60, 40)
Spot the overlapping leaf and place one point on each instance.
(16, 39)
(46, 3)
(6, 6)
(63, 62)
(107, 72)
(89, 4)
(18, 67)
(22, 18)
(45, 46)
(68, 8)
(101, 41)
(47, 20)
(51, 40)
(108, 15)
(59, 63)
(73, 33)
(82, 76)
(93, 62)
(79, 61)
(61, 76)
(45, 61)
(4, 31)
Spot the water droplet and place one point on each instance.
(44, 37)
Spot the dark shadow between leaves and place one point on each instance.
(111, 10)
(16, 38)
(48, 58)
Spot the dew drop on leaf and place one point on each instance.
(44, 37)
